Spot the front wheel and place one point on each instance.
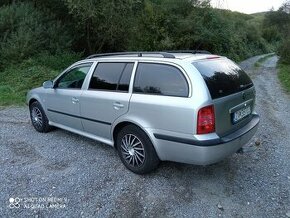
(136, 150)
(38, 118)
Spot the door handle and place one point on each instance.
(75, 100)
(118, 105)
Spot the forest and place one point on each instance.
(38, 39)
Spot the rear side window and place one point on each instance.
(160, 79)
(223, 77)
(112, 76)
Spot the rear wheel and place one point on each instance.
(136, 150)
(38, 118)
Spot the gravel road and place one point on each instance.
(61, 174)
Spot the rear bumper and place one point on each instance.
(204, 152)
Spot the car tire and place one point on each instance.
(38, 118)
(136, 150)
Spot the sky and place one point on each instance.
(248, 6)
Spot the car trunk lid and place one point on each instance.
(232, 92)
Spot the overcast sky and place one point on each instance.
(248, 6)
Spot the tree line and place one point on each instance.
(31, 27)
(277, 29)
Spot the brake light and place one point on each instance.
(206, 120)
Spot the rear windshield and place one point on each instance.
(223, 77)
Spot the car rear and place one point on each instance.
(232, 93)
(225, 119)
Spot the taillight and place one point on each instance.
(206, 120)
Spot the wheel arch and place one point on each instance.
(117, 127)
(32, 100)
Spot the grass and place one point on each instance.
(263, 59)
(17, 79)
(284, 75)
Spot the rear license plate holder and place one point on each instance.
(241, 114)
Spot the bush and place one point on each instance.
(284, 75)
(284, 51)
(17, 79)
(57, 62)
(26, 31)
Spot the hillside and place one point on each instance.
(67, 30)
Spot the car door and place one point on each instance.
(106, 98)
(161, 94)
(62, 101)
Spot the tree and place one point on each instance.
(277, 30)
(103, 25)
(26, 31)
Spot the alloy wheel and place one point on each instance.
(132, 150)
(36, 117)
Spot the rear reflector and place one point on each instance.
(206, 120)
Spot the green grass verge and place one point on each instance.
(17, 79)
(284, 75)
(263, 59)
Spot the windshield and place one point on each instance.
(223, 77)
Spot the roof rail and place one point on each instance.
(138, 53)
(190, 51)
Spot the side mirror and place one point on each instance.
(48, 84)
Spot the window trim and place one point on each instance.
(181, 70)
(69, 69)
(114, 62)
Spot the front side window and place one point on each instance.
(112, 77)
(74, 78)
(160, 79)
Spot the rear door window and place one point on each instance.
(112, 77)
(160, 79)
(223, 77)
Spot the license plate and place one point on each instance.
(241, 114)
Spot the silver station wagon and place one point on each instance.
(185, 106)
